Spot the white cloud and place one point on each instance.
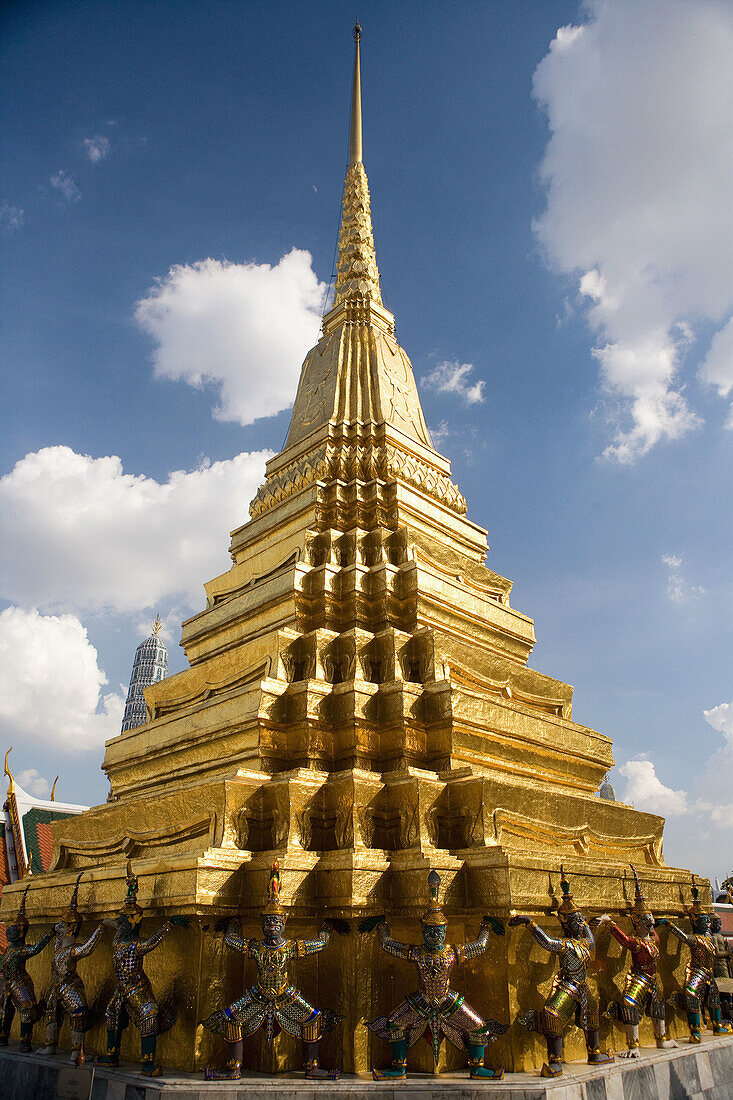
(66, 187)
(34, 783)
(441, 433)
(717, 367)
(638, 172)
(81, 534)
(11, 217)
(51, 683)
(452, 377)
(707, 804)
(96, 148)
(245, 328)
(717, 775)
(678, 589)
(645, 791)
(721, 718)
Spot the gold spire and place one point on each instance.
(357, 373)
(355, 143)
(157, 625)
(358, 276)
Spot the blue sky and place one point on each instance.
(552, 205)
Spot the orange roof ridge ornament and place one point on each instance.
(11, 784)
(53, 790)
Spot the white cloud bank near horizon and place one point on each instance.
(704, 814)
(638, 172)
(242, 328)
(82, 535)
(51, 687)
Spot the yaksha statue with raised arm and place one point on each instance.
(434, 1004)
(273, 1002)
(700, 989)
(133, 996)
(19, 993)
(67, 994)
(642, 990)
(571, 999)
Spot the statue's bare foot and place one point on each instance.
(666, 1044)
(632, 1052)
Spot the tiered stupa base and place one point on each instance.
(198, 974)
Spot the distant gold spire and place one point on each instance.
(11, 784)
(157, 625)
(358, 275)
(355, 152)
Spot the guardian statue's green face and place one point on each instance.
(433, 936)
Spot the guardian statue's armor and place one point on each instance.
(434, 1004)
(722, 969)
(67, 993)
(700, 989)
(571, 999)
(19, 993)
(273, 1002)
(642, 989)
(133, 996)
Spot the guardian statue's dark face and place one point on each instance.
(646, 924)
(575, 925)
(14, 934)
(702, 924)
(433, 936)
(125, 930)
(716, 924)
(273, 927)
(67, 930)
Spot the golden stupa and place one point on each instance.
(358, 704)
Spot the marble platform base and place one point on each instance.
(688, 1073)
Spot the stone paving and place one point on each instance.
(688, 1073)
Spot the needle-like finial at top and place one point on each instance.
(355, 150)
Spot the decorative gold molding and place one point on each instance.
(125, 844)
(358, 462)
(560, 708)
(210, 688)
(584, 838)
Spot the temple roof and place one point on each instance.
(357, 373)
(28, 843)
